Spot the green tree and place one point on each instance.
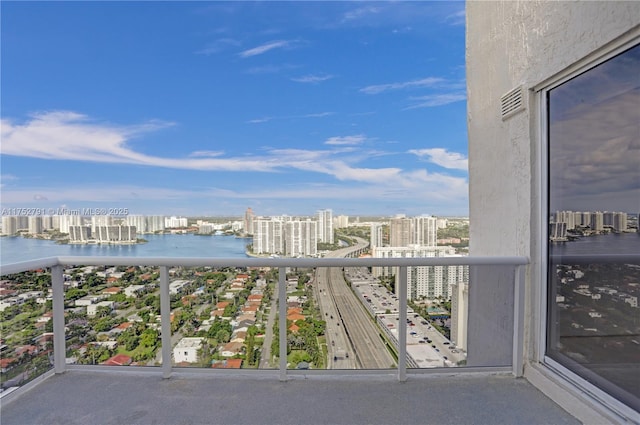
(149, 337)
(223, 336)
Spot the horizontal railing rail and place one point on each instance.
(57, 264)
(261, 262)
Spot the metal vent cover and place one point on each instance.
(511, 103)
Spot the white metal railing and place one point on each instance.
(57, 265)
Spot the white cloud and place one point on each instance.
(313, 79)
(265, 48)
(443, 158)
(346, 140)
(424, 82)
(207, 154)
(437, 100)
(6, 178)
(317, 115)
(458, 18)
(267, 119)
(218, 46)
(65, 135)
(360, 13)
(259, 120)
(409, 188)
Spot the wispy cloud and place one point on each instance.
(259, 120)
(313, 79)
(218, 46)
(264, 48)
(4, 178)
(424, 82)
(430, 101)
(398, 186)
(318, 115)
(346, 140)
(457, 18)
(207, 154)
(443, 158)
(360, 13)
(66, 135)
(286, 117)
(271, 69)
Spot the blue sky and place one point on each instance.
(207, 108)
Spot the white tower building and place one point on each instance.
(325, 226)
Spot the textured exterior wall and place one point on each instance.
(511, 43)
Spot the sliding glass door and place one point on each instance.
(593, 322)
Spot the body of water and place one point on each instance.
(613, 243)
(18, 249)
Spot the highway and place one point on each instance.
(357, 343)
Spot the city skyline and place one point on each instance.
(205, 109)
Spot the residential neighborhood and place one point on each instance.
(220, 318)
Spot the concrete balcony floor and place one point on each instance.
(116, 397)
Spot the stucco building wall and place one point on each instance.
(528, 44)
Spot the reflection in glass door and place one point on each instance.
(594, 243)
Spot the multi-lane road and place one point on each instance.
(354, 339)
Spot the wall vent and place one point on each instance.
(511, 103)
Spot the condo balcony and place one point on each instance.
(375, 363)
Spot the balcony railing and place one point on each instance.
(495, 304)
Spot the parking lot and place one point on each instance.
(428, 347)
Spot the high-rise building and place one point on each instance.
(428, 281)
(249, 216)
(115, 234)
(47, 222)
(174, 222)
(64, 221)
(79, 234)
(301, 238)
(405, 231)
(620, 222)
(425, 231)
(268, 236)
(597, 221)
(140, 221)
(22, 221)
(9, 225)
(35, 224)
(400, 231)
(459, 313)
(568, 217)
(325, 226)
(585, 219)
(100, 220)
(155, 223)
(376, 238)
(558, 231)
(341, 221)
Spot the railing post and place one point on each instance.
(282, 322)
(165, 322)
(59, 343)
(518, 321)
(402, 324)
